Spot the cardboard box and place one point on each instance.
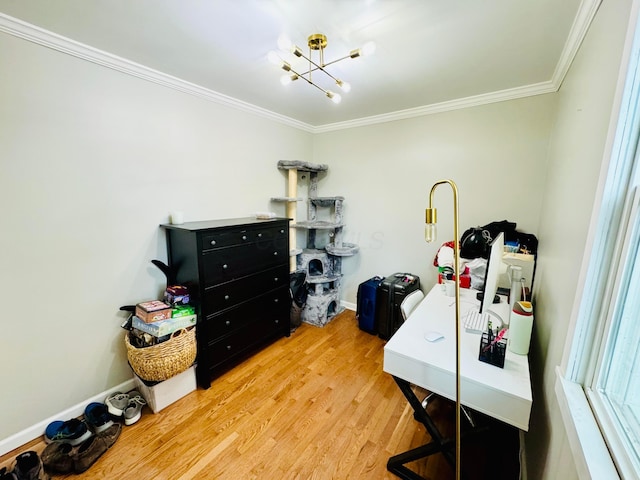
(163, 394)
(153, 311)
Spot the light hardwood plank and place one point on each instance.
(316, 405)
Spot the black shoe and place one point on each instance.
(29, 467)
(5, 475)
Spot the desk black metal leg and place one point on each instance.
(438, 444)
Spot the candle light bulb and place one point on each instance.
(430, 232)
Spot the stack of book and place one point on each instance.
(155, 321)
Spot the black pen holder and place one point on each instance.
(492, 352)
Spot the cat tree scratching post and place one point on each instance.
(292, 192)
(321, 257)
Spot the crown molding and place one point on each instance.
(474, 101)
(584, 17)
(32, 33)
(581, 24)
(45, 38)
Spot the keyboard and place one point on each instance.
(475, 322)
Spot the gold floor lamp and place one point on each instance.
(430, 236)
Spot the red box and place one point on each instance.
(153, 311)
(465, 280)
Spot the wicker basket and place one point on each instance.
(164, 360)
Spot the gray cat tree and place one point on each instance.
(321, 257)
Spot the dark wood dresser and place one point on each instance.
(237, 271)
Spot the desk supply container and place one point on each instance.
(520, 327)
(492, 351)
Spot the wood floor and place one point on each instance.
(316, 405)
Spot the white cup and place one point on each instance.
(176, 218)
(449, 288)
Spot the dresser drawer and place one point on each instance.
(240, 341)
(244, 235)
(229, 263)
(228, 294)
(269, 307)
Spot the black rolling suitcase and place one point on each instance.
(391, 293)
(366, 306)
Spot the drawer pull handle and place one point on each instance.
(259, 235)
(213, 242)
(226, 297)
(281, 231)
(225, 266)
(275, 279)
(228, 347)
(244, 237)
(277, 321)
(275, 300)
(227, 323)
(275, 253)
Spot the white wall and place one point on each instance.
(495, 153)
(576, 153)
(92, 161)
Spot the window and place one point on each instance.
(615, 388)
(604, 362)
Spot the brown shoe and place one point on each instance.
(88, 453)
(57, 457)
(111, 434)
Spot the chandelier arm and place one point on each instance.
(336, 60)
(326, 92)
(320, 67)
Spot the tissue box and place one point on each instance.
(153, 311)
(162, 394)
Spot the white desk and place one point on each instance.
(502, 393)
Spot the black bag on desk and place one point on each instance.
(391, 293)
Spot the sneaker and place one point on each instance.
(29, 467)
(97, 417)
(72, 431)
(88, 453)
(5, 475)
(57, 458)
(133, 411)
(116, 403)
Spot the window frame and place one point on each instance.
(593, 435)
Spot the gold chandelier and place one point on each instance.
(317, 42)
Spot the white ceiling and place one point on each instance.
(430, 53)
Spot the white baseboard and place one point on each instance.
(348, 305)
(20, 438)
